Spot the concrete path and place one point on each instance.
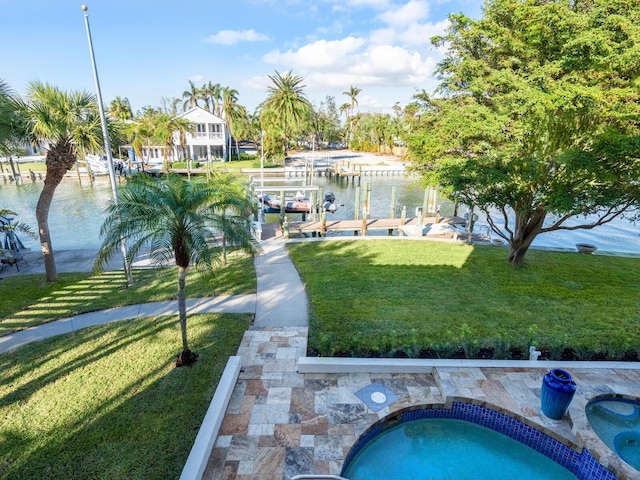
(280, 301)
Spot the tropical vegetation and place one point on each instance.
(536, 121)
(182, 222)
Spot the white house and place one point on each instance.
(207, 142)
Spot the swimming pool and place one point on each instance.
(617, 423)
(465, 441)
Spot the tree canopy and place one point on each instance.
(536, 117)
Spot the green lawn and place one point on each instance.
(107, 402)
(397, 298)
(28, 300)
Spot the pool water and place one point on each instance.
(617, 423)
(449, 449)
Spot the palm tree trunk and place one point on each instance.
(42, 216)
(59, 160)
(182, 307)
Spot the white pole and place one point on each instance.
(262, 159)
(262, 133)
(105, 134)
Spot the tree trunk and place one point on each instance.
(59, 160)
(42, 216)
(527, 229)
(182, 307)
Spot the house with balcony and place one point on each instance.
(208, 141)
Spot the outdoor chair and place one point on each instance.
(12, 258)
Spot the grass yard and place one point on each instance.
(428, 299)
(28, 300)
(107, 402)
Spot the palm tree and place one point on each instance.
(120, 109)
(232, 112)
(181, 221)
(288, 101)
(68, 122)
(140, 133)
(352, 93)
(191, 96)
(212, 93)
(344, 109)
(7, 118)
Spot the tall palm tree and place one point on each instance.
(231, 111)
(352, 93)
(181, 222)
(191, 96)
(68, 122)
(212, 93)
(288, 101)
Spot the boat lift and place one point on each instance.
(313, 192)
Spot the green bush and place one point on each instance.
(246, 157)
(181, 165)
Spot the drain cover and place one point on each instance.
(376, 396)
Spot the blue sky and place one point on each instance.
(147, 50)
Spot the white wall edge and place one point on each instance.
(208, 433)
(409, 365)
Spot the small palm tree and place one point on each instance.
(181, 221)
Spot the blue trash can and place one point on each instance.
(558, 389)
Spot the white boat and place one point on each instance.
(99, 165)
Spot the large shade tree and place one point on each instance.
(536, 116)
(182, 222)
(68, 123)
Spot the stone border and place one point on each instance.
(208, 432)
(409, 365)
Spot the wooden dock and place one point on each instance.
(361, 227)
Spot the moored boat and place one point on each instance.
(297, 204)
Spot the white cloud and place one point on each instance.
(344, 5)
(319, 54)
(339, 63)
(196, 78)
(410, 13)
(230, 37)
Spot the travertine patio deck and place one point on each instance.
(281, 423)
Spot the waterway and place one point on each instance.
(78, 210)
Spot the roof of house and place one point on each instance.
(200, 115)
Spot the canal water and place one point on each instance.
(77, 212)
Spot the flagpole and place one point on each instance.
(107, 143)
